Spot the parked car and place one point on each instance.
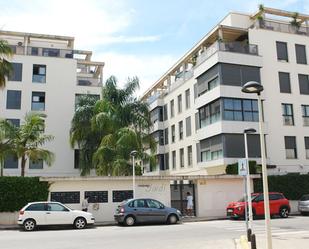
(52, 213)
(303, 205)
(146, 210)
(278, 205)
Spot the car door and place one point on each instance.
(259, 204)
(139, 209)
(58, 214)
(274, 203)
(156, 211)
(37, 212)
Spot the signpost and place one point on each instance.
(242, 171)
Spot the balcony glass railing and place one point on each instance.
(88, 81)
(38, 51)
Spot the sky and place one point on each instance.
(140, 38)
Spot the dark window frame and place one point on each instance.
(286, 115)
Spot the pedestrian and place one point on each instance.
(85, 204)
(189, 209)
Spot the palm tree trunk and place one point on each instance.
(1, 166)
(23, 165)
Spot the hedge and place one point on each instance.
(232, 169)
(16, 192)
(293, 186)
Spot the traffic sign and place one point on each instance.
(242, 167)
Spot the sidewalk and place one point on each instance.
(113, 223)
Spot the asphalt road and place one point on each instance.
(207, 234)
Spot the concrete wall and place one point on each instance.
(156, 189)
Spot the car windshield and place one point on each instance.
(305, 198)
(253, 196)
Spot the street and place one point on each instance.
(206, 234)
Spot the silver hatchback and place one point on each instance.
(303, 204)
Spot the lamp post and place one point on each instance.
(255, 87)
(132, 154)
(248, 131)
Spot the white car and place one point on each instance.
(52, 213)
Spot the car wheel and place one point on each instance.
(80, 223)
(129, 221)
(172, 219)
(284, 212)
(29, 225)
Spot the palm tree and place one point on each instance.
(5, 66)
(7, 133)
(29, 139)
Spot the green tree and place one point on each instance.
(7, 133)
(26, 140)
(5, 65)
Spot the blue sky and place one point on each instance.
(133, 37)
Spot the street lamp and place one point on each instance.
(248, 131)
(133, 154)
(255, 87)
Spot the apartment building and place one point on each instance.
(199, 112)
(49, 75)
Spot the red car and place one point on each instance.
(278, 204)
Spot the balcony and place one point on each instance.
(281, 27)
(46, 52)
(237, 47)
(88, 81)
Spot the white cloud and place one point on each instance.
(148, 68)
(90, 22)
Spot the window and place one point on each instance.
(287, 113)
(174, 159)
(188, 126)
(39, 74)
(204, 81)
(121, 195)
(180, 125)
(70, 197)
(187, 98)
(209, 113)
(179, 103)
(159, 137)
(38, 164)
(300, 51)
(172, 108)
(274, 197)
(11, 162)
(290, 147)
(211, 148)
(165, 116)
(156, 115)
(166, 160)
(76, 159)
(284, 82)
(307, 147)
(154, 204)
(305, 113)
(182, 158)
(13, 99)
(16, 74)
(240, 110)
(213, 83)
(37, 207)
(96, 196)
(166, 136)
(38, 101)
(14, 121)
(173, 133)
(189, 150)
(55, 207)
(51, 52)
(282, 51)
(138, 204)
(303, 83)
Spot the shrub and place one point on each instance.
(232, 169)
(16, 192)
(293, 186)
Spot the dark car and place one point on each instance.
(278, 205)
(145, 210)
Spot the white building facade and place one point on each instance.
(48, 77)
(199, 113)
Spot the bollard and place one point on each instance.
(253, 241)
(249, 232)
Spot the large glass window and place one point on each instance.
(211, 148)
(165, 116)
(173, 133)
(187, 98)
(282, 51)
(210, 113)
(39, 73)
(307, 147)
(174, 159)
(179, 103)
(166, 136)
(14, 121)
(284, 82)
(172, 107)
(303, 81)
(156, 115)
(38, 164)
(13, 99)
(16, 73)
(10, 162)
(180, 125)
(240, 109)
(182, 158)
(188, 126)
(189, 150)
(305, 113)
(38, 101)
(159, 137)
(287, 114)
(290, 147)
